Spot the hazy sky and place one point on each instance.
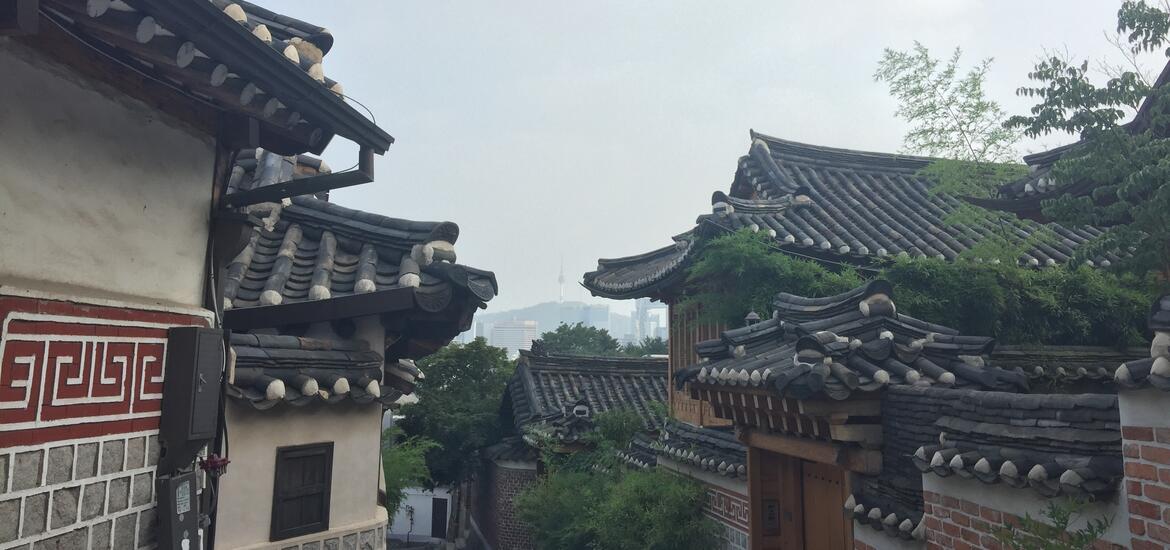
(601, 128)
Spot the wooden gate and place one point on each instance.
(797, 504)
(824, 492)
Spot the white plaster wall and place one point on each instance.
(420, 499)
(1025, 501)
(882, 541)
(98, 192)
(245, 501)
(1147, 408)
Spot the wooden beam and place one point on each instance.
(870, 434)
(862, 461)
(18, 17)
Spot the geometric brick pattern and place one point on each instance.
(70, 371)
(1147, 484)
(958, 523)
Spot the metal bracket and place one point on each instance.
(307, 186)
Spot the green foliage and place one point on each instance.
(952, 118)
(1016, 305)
(620, 510)
(560, 509)
(1054, 531)
(590, 500)
(650, 345)
(458, 406)
(949, 116)
(738, 273)
(1128, 165)
(580, 339)
(404, 463)
(654, 510)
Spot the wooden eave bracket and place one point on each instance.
(364, 173)
(862, 461)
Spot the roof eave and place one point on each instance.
(220, 37)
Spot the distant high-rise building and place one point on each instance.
(514, 336)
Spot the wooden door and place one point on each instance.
(825, 490)
(438, 518)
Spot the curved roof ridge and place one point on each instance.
(781, 145)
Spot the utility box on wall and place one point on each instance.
(191, 394)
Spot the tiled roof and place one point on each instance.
(852, 341)
(713, 449)
(271, 369)
(511, 448)
(855, 205)
(1052, 443)
(1153, 371)
(546, 389)
(314, 250)
(637, 276)
(1026, 195)
(155, 37)
(835, 205)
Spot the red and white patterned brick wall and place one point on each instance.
(80, 399)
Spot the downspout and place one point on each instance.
(225, 160)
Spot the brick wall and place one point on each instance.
(500, 524)
(1146, 445)
(87, 493)
(80, 399)
(955, 522)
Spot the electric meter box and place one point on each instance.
(178, 512)
(191, 394)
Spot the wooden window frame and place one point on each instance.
(276, 533)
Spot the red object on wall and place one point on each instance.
(69, 370)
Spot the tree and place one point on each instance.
(458, 406)
(952, 118)
(579, 339)
(743, 271)
(1126, 164)
(949, 116)
(590, 501)
(404, 465)
(650, 345)
(1062, 305)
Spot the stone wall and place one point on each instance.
(95, 492)
(1145, 429)
(501, 525)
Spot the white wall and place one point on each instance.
(421, 500)
(1146, 408)
(245, 502)
(97, 191)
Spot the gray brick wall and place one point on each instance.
(504, 528)
(86, 493)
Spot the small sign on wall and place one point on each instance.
(771, 514)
